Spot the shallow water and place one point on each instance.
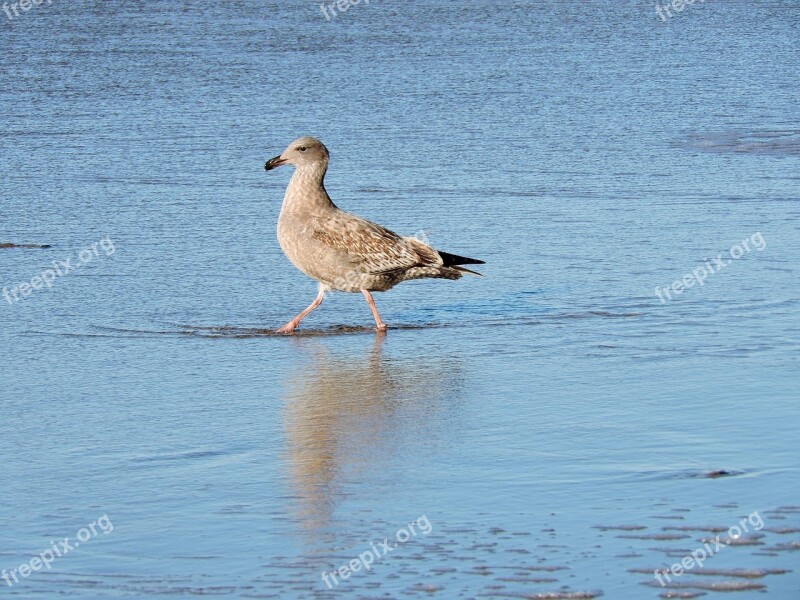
(563, 431)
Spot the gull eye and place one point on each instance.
(302, 148)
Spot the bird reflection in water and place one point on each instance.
(348, 418)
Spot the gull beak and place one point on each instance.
(274, 163)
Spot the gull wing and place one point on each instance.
(368, 246)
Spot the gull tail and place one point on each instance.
(455, 261)
(465, 270)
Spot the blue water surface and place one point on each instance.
(564, 429)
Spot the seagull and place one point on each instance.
(340, 250)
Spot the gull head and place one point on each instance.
(303, 152)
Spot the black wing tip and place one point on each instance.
(466, 270)
(452, 260)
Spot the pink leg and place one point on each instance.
(292, 325)
(379, 324)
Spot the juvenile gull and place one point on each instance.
(340, 250)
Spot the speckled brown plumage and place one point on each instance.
(340, 250)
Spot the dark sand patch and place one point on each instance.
(661, 537)
(563, 595)
(738, 573)
(620, 527)
(5, 245)
(713, 586)
(703, 528)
